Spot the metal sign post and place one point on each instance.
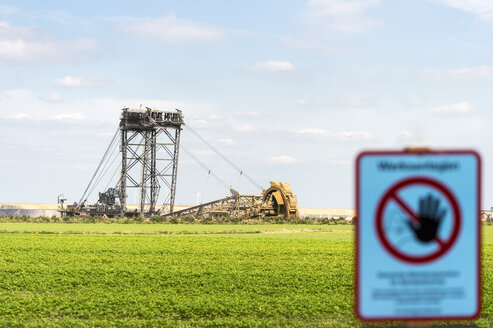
(418, 235)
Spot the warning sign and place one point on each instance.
(418, 235)
(436, 205)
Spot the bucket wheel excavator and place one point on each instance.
(148, 143)
(279, 200)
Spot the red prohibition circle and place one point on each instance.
(391, 195)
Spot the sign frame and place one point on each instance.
(411, 152)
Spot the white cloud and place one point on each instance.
(350, 25)
(282, 159)
(70, 116)
(413, 101)
(51, 98)
(26, 104)
(341, 16)
(19, 44)
(339, 7)
(313, 131)
(170, 29)
(355, 102)
(207, 121)
(21, 50)
(226, 141)
(302, 102)
(273, 65)
(458, 108)
(243, 128)
(71, 81)
(198, 123)
(482, 8)
(477, 72)
(215, 117)
(252, 113)
(327, 22)
(57, 117)
(17, 116)
(64, 17)
(346, 135)
(342, 136)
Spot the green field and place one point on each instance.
(100, 228)
(184, 275)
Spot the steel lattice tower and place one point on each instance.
(150, 142)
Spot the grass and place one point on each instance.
(185, 275)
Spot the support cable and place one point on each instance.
(104, 170)
(112, 176)
(112, 154)
(239, 181)
(205, 167)
(225, 158)
(99, 165)
(205, 188)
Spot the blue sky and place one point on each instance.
(288, 90)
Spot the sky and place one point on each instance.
(287, 90)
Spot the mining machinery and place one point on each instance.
(148, 144)
(278, 200)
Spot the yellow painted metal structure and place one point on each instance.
(279, 200)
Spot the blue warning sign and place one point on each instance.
(418, 237)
